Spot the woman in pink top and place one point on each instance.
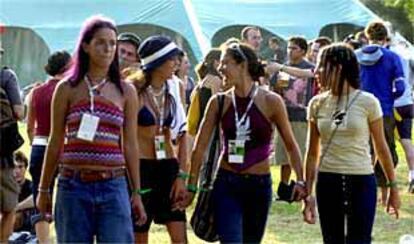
(95, 112)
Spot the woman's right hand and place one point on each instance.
(44, 203)
(393, 202)
(309, 210)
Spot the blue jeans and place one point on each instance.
(85, 210)
(346, 197)
(241, 205)
(36, 164)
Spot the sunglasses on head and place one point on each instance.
(236, 47)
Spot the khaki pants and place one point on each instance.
(300, 129)
(9, 190)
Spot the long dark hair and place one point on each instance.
(331, 58)
(207, 65)
(243, 52)
(81, 58)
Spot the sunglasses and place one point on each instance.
(236, 47)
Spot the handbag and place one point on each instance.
(202, 220)
(10, 138)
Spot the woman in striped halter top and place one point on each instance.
(96, 113)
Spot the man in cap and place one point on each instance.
(128, 44)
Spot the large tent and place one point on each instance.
(34, 28)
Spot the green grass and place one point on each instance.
(285, 223)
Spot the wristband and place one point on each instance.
(183, 175)
(43, 190)
(282, 67)
(142, 191)
(301, 183)
(391, 184)
(192, 188)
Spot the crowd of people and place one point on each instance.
(126, 130)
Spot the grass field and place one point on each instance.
(285, 223)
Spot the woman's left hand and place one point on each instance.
(138, 209)
(178, 194)
(393, 202)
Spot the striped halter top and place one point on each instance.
(105, 149)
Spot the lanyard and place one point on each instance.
(92, 89)
(240, 121)
(160, 106)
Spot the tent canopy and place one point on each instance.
(58, 22)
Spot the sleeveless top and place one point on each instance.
(259, 147)
(106, 148)
(42, 99)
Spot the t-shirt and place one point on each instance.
(349, 150)
(180, 122)
(298, 93)
(10, 83)
(25, 190)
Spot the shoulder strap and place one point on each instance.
(212, 164)
(336, 128)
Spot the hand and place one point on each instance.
(44, 203)
(178, 194)
(189, 199)
(299, 192)
(393, 202)
(138, 209)
(309, 210)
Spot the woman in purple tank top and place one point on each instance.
(243, 189)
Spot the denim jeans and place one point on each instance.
(346, 205)
(36, 164)
(85, 210)
(241, 205)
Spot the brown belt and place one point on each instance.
(88, 175)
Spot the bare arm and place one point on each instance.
(182, 151)
(304, 73)
(202, 139)
(312, 155)
(383, 153)
(26, 203)
(130, 143)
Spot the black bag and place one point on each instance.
(202, 220)
(10, 138)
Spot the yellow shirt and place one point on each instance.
(349, 150)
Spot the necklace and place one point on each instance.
(151, 90)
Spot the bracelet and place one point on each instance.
(301, 183)
(43, 190)
(183, 175)
(391, 184)
(142, 191)
(192, 188)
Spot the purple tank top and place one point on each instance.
(259, 147)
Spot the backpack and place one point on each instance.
(10, 139)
